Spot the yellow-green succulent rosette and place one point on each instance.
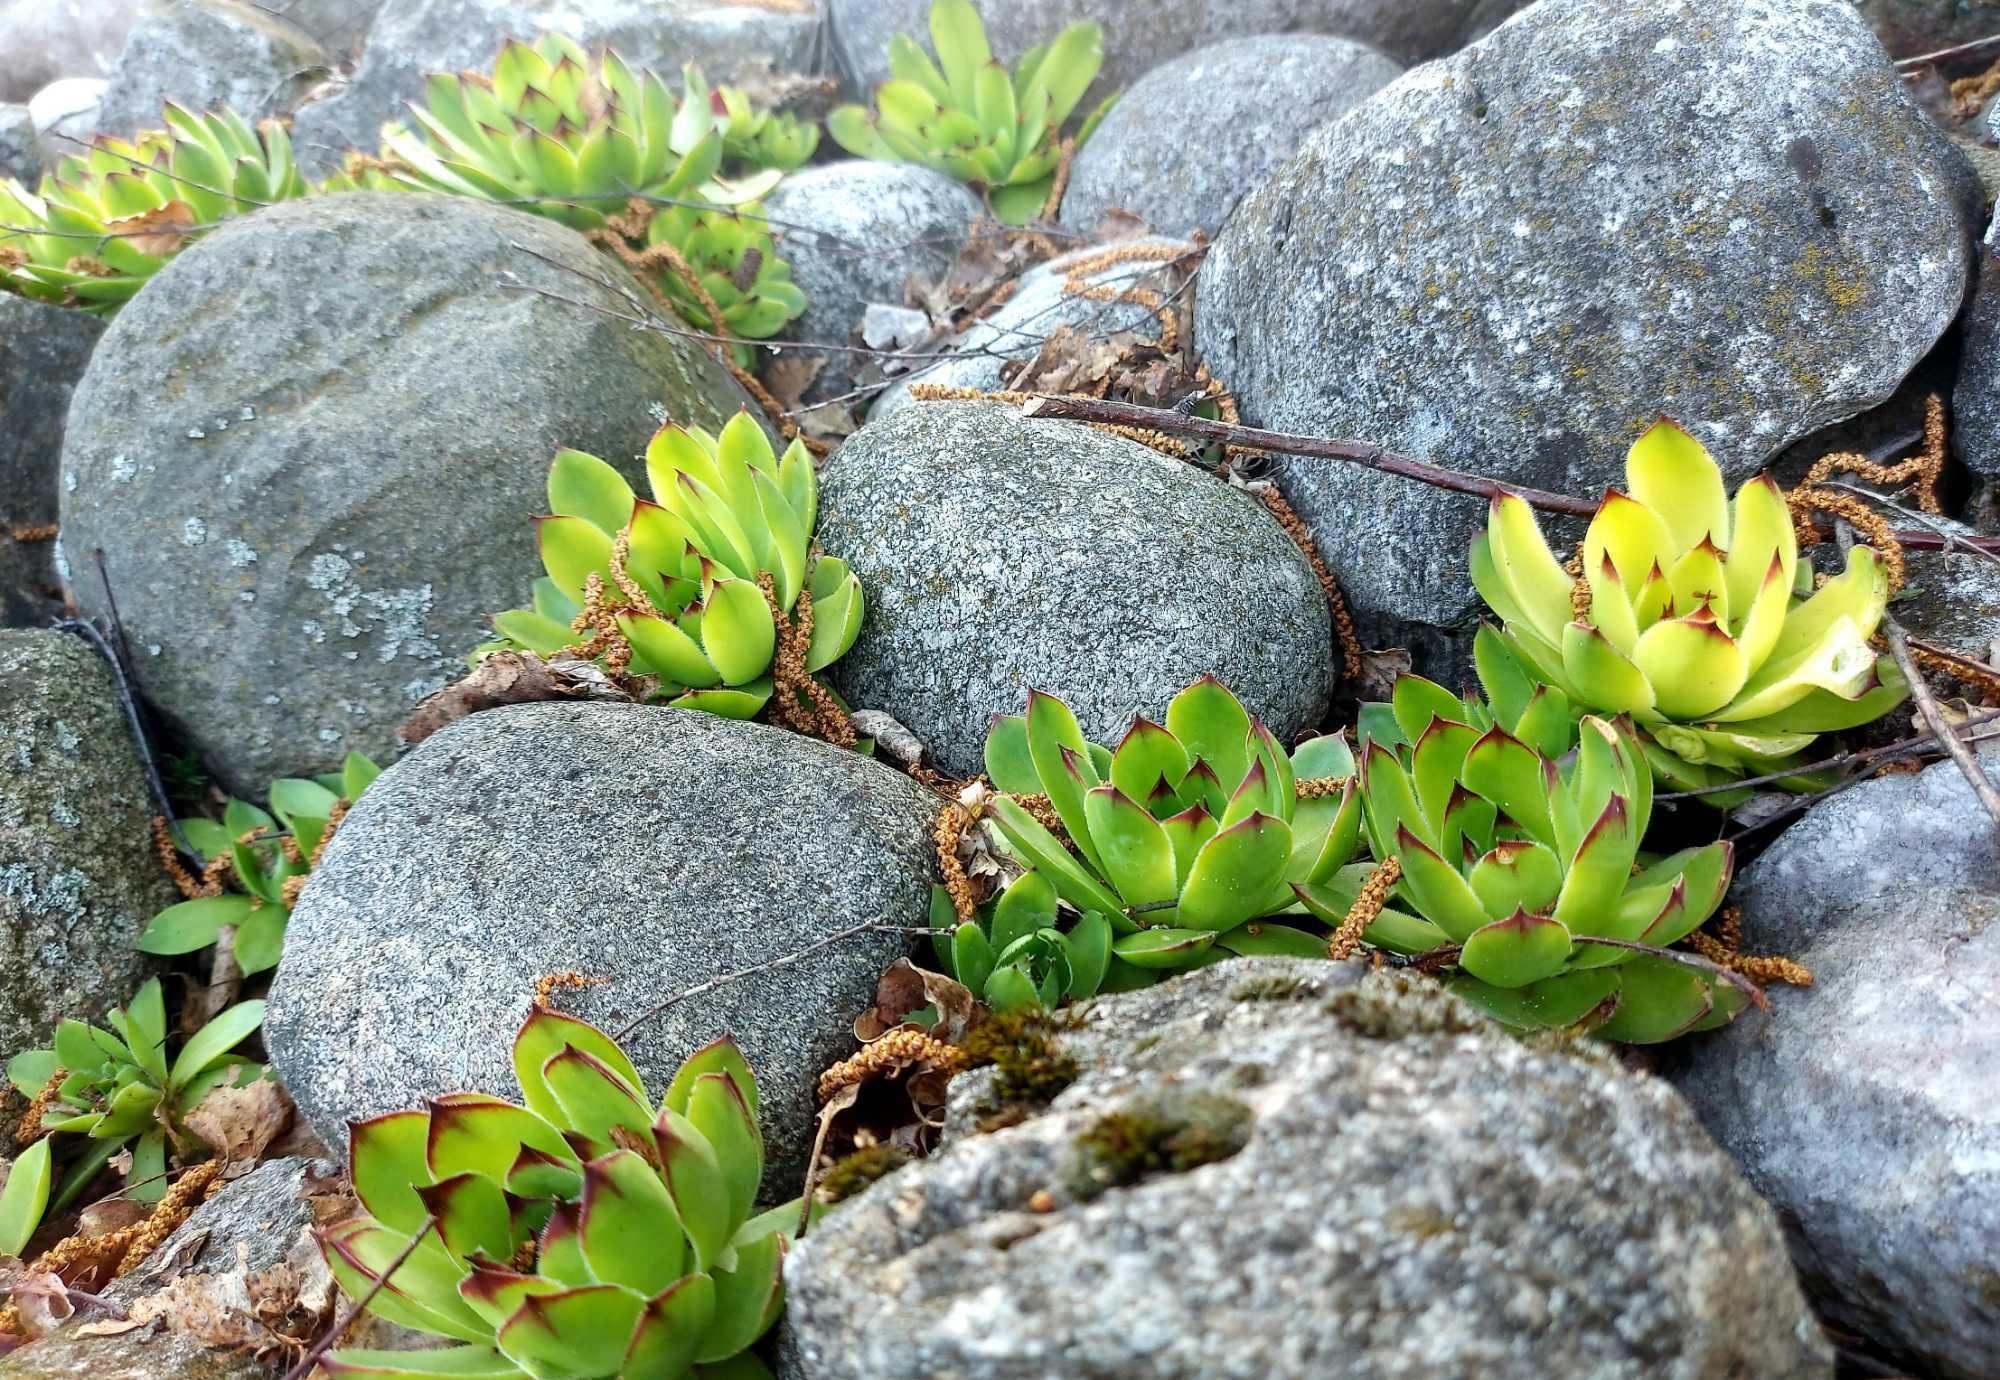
(1695, 617)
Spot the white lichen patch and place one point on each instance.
(395, 618)
(58, 894)
(194, 532)
(66, 737)
(240, 552)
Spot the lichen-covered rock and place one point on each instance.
(43, 350)
(1975, 396)
(1284, 1169)
(856, 232)
(1138, 38)
(313, 447)
(78, 879)
(411, 39)
(1040, 303)
(1000, 555)
(47, 40)
(206, 54)
(1862, 1106)
(655, 848)
(20, 159)
(1195, 135)
(255, 1223)
(1508, 261)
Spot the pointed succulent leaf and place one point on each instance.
(1554, 1002)
(1440, 894)
(717, 1109)
(24, 1197)
(1534, 579)
(748, 1297)
(1233, 872)
(1057, 746)
(1146, 756)
(457, 1363)
(1510, 774)
(559, 1251)
(670, 1329)
(629, 1230)
(720, 1055)
(1008, 988)
(472, 1216)
(1163, 947)
(1671, 473)
(592, 1098)
(1211, 724)
(546, 1033)
(1436, 763)
(421, 1293)
(573, 548)
(1089, 945)
(579, 1332)
(1516, 951)
(1417, 702)
(477, 1133)
(694, 1178)
(1262, 938)
(583, 486)
(1761, 532)
(1657, 1000)
(388, 1166)
(1604, 676)
(1137, 853)
(1039, 849)
(1516, 874)
(971, 956)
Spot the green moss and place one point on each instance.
(1158, 1133)
(1273, 987)
(1028, 1064)
(1391, 1005)
(853, 1173)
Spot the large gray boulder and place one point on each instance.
(314, 444)
(262, 1221)
(20, 157)
(206, 54)
(43, 350)
(1975, 396)
(1510, 260)
(1863, 1107)
(1197, 134)
(856, 232)
(1000, 555)
(410, 39)
(78, 879)
(657, 848)
(1283, 1169)
(1138, 38)
(1040, 303)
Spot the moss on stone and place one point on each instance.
(852, 1173)
(1168, 1132)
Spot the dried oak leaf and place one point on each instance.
(904, 988)
(790, 374)
(160, 231)
(508, 678)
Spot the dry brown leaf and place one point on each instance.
(1119, 224)
(1379, 670)
(42, 1302)
(241, 1123)
(160, 231)
(828, 422)
(904, 988)
(508, 678)
(108, 1215)
(790, 374)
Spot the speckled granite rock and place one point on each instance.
(1017, 328)
(411, 39)
(1373, 1181)
(1975, 396)
(1863, 1106)
(656, 847)
(43, 350)
(999, 555)
(254, 1223)
(1139, 38)
(1195, 135)
(1509, 260)
(856, 232)
(19, 158)
(205, 54)
(313, 447)
(78, 879)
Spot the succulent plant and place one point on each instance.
(1014, 955)
(266, 851)
(548, 133)
(1694, 625)
(971, 120)
(1522, 859)
(581, 1235)
(753, 140)
(725, 510)
(1186, 835)
(105, 220)
(120, 1088)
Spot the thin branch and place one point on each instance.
(1952, 541)
(1316, 447)
(1902, 747)
(1687, 960)
(341, 1324)
(1933, 717)
(769, 964)
(1957, 50)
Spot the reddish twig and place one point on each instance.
(346, 1320)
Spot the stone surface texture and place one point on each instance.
(659, 848)
(313, 447)
(43, 351)
(46, 40)
(411, 39)
(205, 54)
(1975, 396)
(1196, 134)
(856, 232)
(1510, 260)
(78, 879)
(999, 555)
(1417, 1195)
(1862, 1107)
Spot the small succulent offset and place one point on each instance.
(120, 1088)
(1013, 955)
(581, 1235)
(1693, 625)
(266, 851)
(753, 140)
(971, 120)
(1186, 835)
(1522, 860)
(107, 219)
(681, 573)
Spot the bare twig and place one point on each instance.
(1933, 717)
(1957, 50)
(1385, 461)
(723, 979)
(1902, 747)
(1687, 960)
(346, 1320)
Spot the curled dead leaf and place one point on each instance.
(41, 1301)
(508, 678)
(904, 988)
(240, 1123)
(160, 231)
